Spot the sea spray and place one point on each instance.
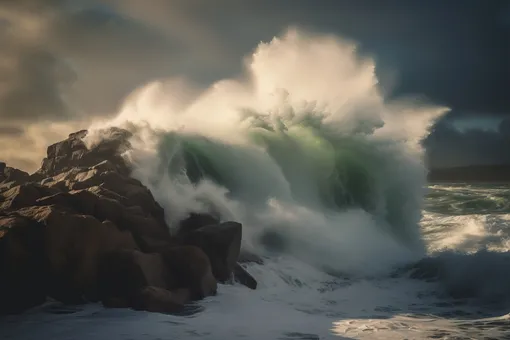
(303, 147)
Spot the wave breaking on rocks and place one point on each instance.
(80, 229)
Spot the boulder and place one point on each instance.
(73, 245)
(222, 244)
(123, 273)
(22, 275)
(246, 256)
(191, 269)
(150, 235)
(242, 276)
(196, 221)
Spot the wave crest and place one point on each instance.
(304, 145)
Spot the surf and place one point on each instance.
(303, 149)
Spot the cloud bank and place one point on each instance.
(64, 63)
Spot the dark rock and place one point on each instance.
(72, 244)
(191, 268)
(249, 257)
(242, 276)
(23, 196)
(81, 229)
(158, 300)
(14, 175)
(133, 192)
(116, 302)
(22, 275)
(11, 177)
(149, 233)
(123, 273)
(196, 221)
(79, 134)
(73, 152)
(221, 243)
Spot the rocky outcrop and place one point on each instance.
(10, 177)
(74, 153)
(81, 229)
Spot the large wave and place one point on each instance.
(303, 149)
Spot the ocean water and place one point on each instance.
(467, 233)
(328, 178)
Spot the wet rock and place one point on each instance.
(22, 275)
(242, 276)
(123, 273)
(81, 229)
(155, 299)
(222, 244)
(196, 221)
(116, 302)
(246, 256)
(68, 245)
(190, 268)
(114, 197)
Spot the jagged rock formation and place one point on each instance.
(80, 229)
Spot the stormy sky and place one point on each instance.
(63, 63)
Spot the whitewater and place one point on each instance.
(328, 178)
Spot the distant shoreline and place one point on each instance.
(492, 174)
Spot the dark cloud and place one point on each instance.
(90, 54)
(112, 57)
(62, 62)
(30, 74)
(31, 5)
(448, 146)
(77, 59)
(11, 131)
(30, 89)
(456, 53)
